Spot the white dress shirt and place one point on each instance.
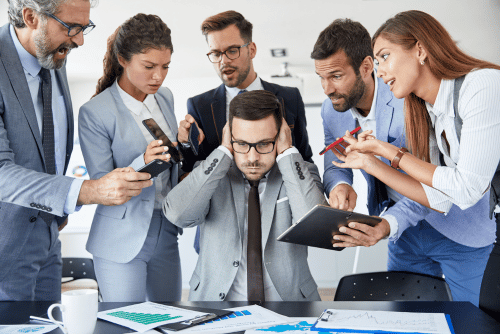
(470, 163)
(231, 92)
(140, 111)
(238, 290)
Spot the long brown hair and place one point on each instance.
(137, 35)
(445, 61)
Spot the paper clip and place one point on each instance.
(325, 315)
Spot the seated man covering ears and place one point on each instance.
(242, 206)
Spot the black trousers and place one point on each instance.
(489, 297)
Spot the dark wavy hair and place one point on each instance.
(344, 35)
(137, 35)
(255, 105)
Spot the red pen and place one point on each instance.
(338, 141)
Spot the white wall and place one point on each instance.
(295, 25)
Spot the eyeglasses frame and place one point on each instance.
(224, 53)
(254, 145)
(67, 26)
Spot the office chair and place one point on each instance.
(81, 271)
(392, 286)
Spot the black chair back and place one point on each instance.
(77, 268)
(392, 286)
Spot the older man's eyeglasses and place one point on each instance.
(231, 53)
(74, 29)
(263, 147)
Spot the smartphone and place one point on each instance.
(158, 134)
(194, 133)
(154, 168)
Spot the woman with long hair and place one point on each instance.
(452, 123)
(135, 247)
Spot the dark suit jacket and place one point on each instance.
(25, 188)
(209, 111)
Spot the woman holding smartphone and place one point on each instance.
(454, 150)
(135, 247)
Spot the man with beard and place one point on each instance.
(231, 51)
(420, 239)
(36, 140)
(242, 207)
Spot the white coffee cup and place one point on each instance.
(79, 311)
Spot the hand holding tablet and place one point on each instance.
(321, 223)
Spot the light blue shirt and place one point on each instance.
(31, 71)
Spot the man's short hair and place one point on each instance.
(223, 20)
(344, 35)
(255, 105)
(39, 6)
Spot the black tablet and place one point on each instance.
(317, 227)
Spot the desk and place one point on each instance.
(465, 317)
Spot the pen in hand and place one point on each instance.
(338, 141)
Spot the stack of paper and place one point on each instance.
(243, 318)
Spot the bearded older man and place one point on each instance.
(36, 141)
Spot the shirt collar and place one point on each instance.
(134, 105)
(371, 115)
(255, 85)
(444, 100)
(261, 181)
(28, 61)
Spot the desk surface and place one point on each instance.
(465, 317)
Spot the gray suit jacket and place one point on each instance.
(25, 188)
(212, 196)
(110, 138)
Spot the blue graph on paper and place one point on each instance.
(230, 316)
(30, 330)
(302, 326)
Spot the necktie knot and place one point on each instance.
(254, 184)
(45, 75)
(242, 91)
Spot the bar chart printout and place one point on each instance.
(399, 322)
(145, 316)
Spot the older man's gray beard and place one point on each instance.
(45, 56)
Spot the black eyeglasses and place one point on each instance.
(75, 29)
(263, 147)
(231, 53)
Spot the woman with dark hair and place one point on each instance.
(135, 247)
(452, 123)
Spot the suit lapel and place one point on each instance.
(168, 113)
(15, 72)
(125, 119)
(218, 111)
(270, 88)
(238, 188)
(267, 86)
(62, 80)
(273, 187)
